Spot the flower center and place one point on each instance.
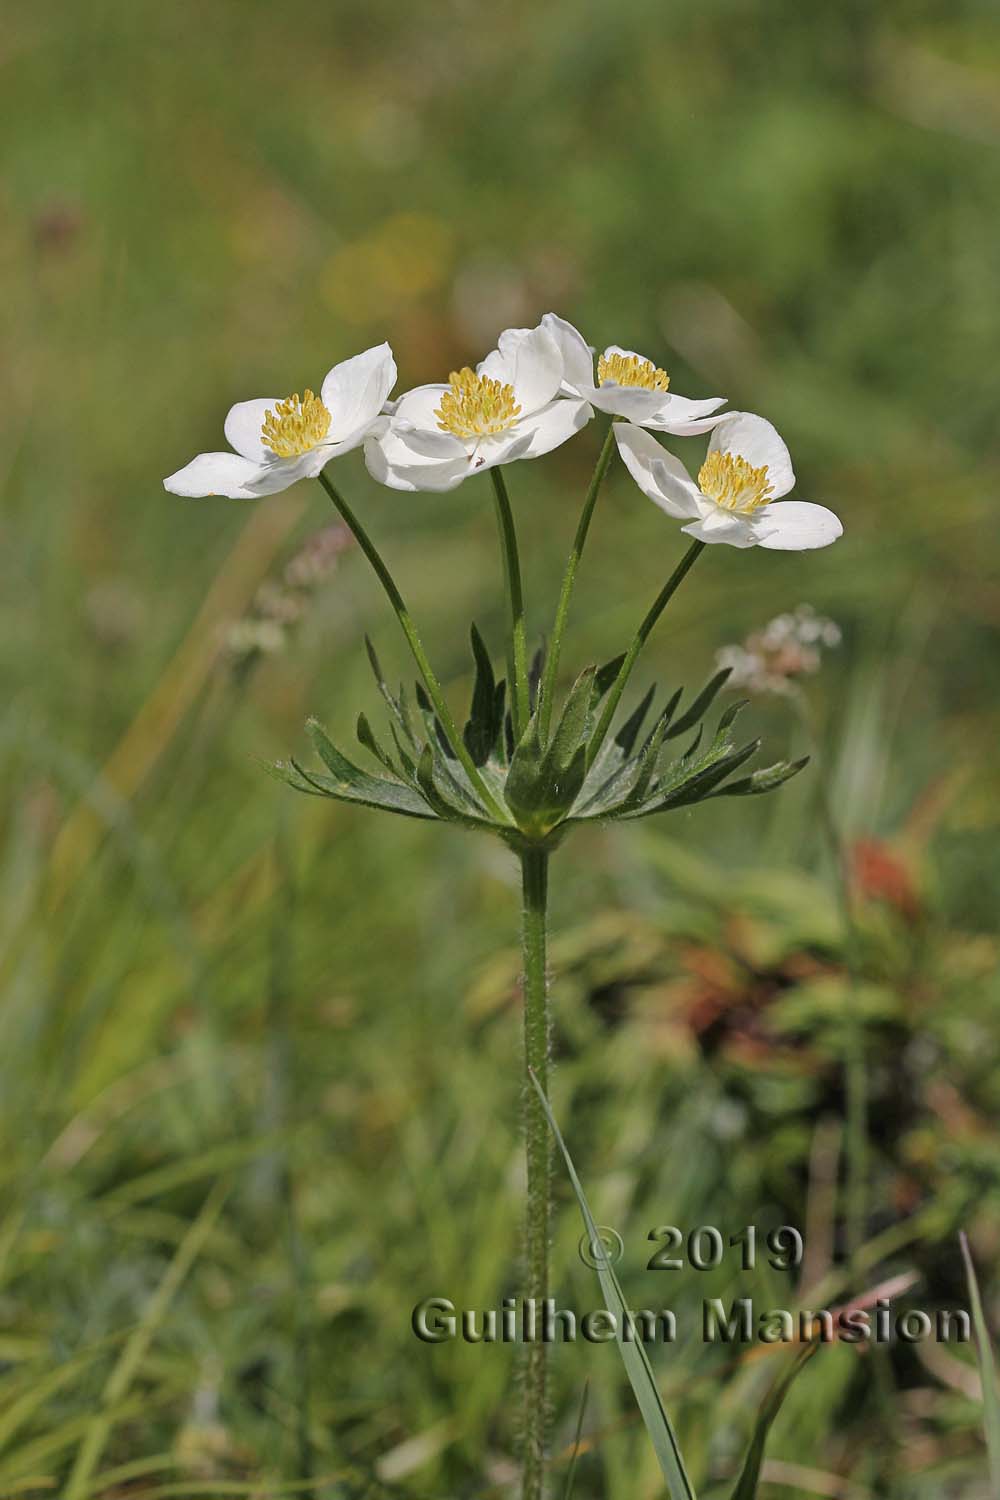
(295, 426)
(733, 483)
(476, 406)
(629, 369)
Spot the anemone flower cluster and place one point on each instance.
(529, 395)
(520, 768)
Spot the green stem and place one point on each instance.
(431, 683)
(534, 876)
(569, 580)
(517, 656)
(656, 609)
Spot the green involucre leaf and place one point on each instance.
(633, 1353)
(522, 790)
(764, 780)
(646, 765)
(571, 731)
(433, 728)
(449, 798)
(388, 796)
(605, 676)
(366, 738)
(348, 783)
(699, 780)
(701, 704)
(485, 724)
(535, 671)
(397, 706)
(542, 784)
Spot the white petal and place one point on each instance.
(407, 443)
(529, 359)
(682, 417)
(499, 448)
(243, 425)
(796, 526)
(630, 401)
(660, 476)
(723, 526)
(415, 459)
(577, 355)
(355, 391)
(433, 477)
(751, 437)
(553, 425)
(613, 349)
(231, 474)
(418, 408)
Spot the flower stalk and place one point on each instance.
(534, 880)
(654, 612)
(569, 580)
(420, 656)
(517, 654)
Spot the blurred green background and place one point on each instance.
(211, 986)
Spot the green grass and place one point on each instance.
(204, 978)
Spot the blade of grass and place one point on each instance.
(151, 731)
(23, 1408)
(746, 1488)
(987, 1368)
(60, 1439)
(116, 1387)
(571, 1471)
(633, 1353)
(253, 1489)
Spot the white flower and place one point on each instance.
(628, 385)
(508, 407)
(747, 469)
(278, 442)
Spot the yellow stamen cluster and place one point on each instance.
(476, 406)
(733, 483)
(629, 369)
(295, 426)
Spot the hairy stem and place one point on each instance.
(569, 579)
(534, 875)
(654, 612)
(517, 655)
(431, 683)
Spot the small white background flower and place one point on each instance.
(279, 441)
(628, 385)
(747, 469)
(508, 408)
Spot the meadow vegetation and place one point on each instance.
(259, 1054)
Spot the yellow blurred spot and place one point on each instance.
(408, 255)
